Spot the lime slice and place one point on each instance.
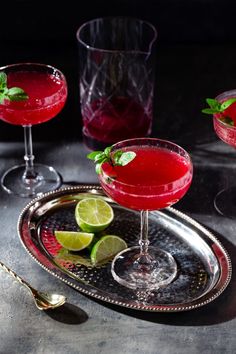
(93, 214)
(74, 241)
(106, 248)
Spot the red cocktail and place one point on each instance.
(157, 177)
(46, 93)
(146, 183)
(225, 131)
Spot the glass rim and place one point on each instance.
(164, 186)
(8, 66)
(149, 24)
(226, 93)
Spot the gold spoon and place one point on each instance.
(43, 301)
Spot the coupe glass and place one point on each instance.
(158, 177)
(225, 201)
(46, 88)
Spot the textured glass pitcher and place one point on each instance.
(116, 69)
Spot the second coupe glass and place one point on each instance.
(46, 88)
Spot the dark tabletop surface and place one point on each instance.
(85, 325)
(196, 57)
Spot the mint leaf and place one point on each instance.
(100, 157)
(215, 106)
(3, 80)
(213, 103)
(119, 158)
(15, 91)
(209, 111)
(16, 94)
(227, 103)
(92, 155)
(107, 151)
(2, 97)
(98, 168)
(116, 156)
(11, 94)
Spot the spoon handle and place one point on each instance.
(16, 276)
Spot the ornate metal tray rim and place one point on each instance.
(87, 289)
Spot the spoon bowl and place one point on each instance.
(46, 301)
(42, 300)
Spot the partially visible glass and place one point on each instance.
(116, 68)
(225, 132)
(225, 200)
(46, 88)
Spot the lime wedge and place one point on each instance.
(74, 241)
(93, 214)
(106, 248)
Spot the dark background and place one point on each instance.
(196, 58)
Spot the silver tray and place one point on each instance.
(204, 267)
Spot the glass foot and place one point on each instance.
(47, 179)
(225, 202)
(144, 271)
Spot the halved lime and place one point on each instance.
(93, 214)
(106, 248)
(73, 240)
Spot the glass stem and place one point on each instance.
(143, 241)
(29, 175)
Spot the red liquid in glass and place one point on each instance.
(155, 179)
(226, 132)
(116, 119)
(47, 95)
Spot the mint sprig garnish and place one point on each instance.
(11, 94)
(216, 106)
(118, 158)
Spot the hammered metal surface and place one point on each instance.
(202, 274)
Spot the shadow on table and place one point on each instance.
(221, 310)
(68, 314)
(213, 171)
